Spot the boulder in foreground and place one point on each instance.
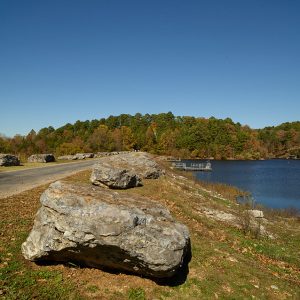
(9, 160)
(42, 158)
(101, 228)
(114, 178)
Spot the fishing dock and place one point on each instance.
(193, 166)
(173, 159)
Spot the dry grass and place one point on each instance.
(225, 263)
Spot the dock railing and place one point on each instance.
(192, 166)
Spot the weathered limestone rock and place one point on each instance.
(114, 178)
(252, 220)
(43, 158)
(219, 215)
(103, 154)
(140, 163)
(89, 155)
(255, 213)
(66, 157)
(102, 228)
(83, 155)
(9, 160)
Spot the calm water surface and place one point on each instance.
(273, 183)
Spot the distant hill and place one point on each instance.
(180, 136)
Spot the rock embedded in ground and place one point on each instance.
(42, 158)
(255, 213)
(114, 178)
(249, 219)
(9, 160)
(140, 163)
(219, 215)
(102, 228)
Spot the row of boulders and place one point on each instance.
(9, 160)
(104, 154)
(12, 160)
(99, 227)
(77, 156)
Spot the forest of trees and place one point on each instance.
(162, 134)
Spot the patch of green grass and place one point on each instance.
(21, 282)
(92, 288)
(136, 294)
(274, 249)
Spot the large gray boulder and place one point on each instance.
(102, 228)
(140, 163)
(9, 160)
(42, 158)
(114, 178)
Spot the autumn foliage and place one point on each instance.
(163, 134)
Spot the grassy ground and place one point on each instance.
(226, 263)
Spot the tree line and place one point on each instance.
(179, 136)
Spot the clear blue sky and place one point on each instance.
(62, 61)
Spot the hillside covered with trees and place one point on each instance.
(162, 134)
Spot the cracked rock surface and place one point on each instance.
(42, 158)
(140, 163)
(98, 227)
(115, 178)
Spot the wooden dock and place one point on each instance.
(193, 166)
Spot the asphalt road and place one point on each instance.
(14, 182)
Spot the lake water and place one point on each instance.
(273, 183)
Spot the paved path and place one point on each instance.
(14, 182)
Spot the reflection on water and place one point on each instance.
(273, 183)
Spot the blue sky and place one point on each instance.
(62, 61)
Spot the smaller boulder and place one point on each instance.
(114, 178)
(65, 157)
(138, 162)
(42, 158)
(79, 156)
(255, 213)
(9, 160)
(83, 155)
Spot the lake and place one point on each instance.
(273, 183)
